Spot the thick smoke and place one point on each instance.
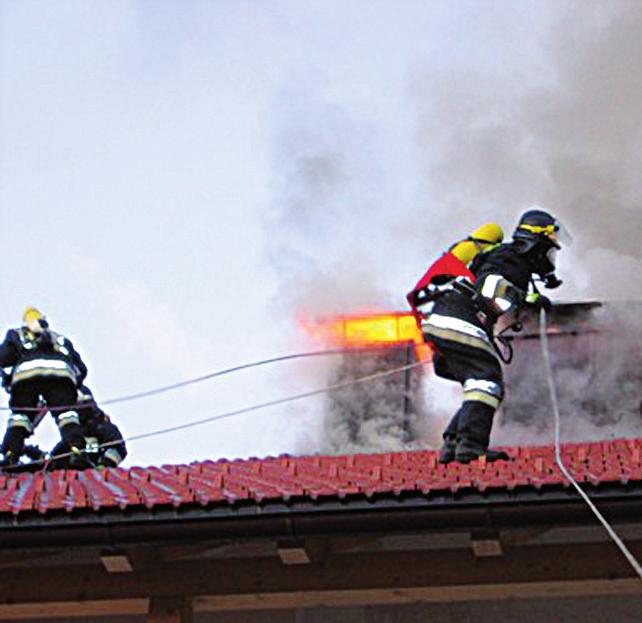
(569, 138)
(331, 231)
(330, 207)
(352, 231)
(598, 378)
(386, 415)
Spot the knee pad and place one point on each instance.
(111, 457)
(18, 420)
(488, 392)
(66, 418)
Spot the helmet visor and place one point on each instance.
(557, 233)
(562, 235)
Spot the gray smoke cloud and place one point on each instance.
(568, 137)
(358, 214)
(332, 236)
(382, 416)
(598, 379)
(329, 196)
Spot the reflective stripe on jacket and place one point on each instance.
(43, 367)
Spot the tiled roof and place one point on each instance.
(313, 478)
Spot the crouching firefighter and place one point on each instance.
(43, 366)
(461, 326)
(105, 446)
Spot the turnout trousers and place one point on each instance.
(464, 354)
(25, 398)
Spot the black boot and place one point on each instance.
(9, 459)
(79, 460)
(73, 439)
(447, 452)
(105, 461)
(13, 445)
(468, 450)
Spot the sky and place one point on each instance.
(179, 181)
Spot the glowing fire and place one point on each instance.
(364, 330)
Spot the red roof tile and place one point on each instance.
(311, 478)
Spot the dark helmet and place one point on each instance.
(537, 225)
(538, 236)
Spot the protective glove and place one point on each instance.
(9, 459)
(34, 453)
(417, 297)
(551, 281)
(538, 301)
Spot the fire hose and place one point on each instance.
(200, 379)
(558, 454)
(233, 413)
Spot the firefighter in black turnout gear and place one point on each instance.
(462, 327)
(43, 366)
(105, 446)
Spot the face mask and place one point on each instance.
(551, 256)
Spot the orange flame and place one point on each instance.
(363, 330)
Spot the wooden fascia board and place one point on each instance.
(390, 596)
(330, 598)
(73, 609)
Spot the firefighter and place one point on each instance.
(105, 446)
(462, 321)
(43, 366)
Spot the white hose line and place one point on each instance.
(558, 455)
(236, 412)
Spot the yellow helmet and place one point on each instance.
(31, 319)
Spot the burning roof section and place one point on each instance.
(355, 331)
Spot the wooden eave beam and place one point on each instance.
(366, 577)
(425, 594)
(73, 609)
